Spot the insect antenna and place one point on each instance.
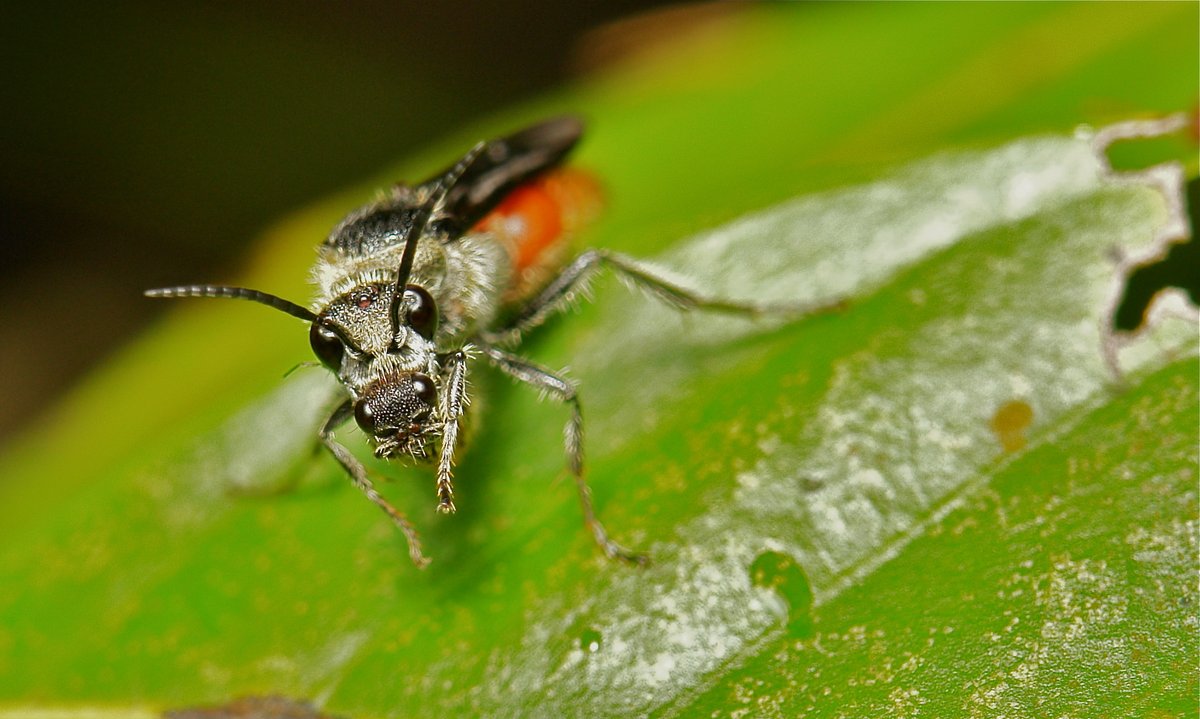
(436, 201)
(235, 293)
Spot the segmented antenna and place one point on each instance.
(435, 202)
(235, 293)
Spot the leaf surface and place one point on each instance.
(842, 510)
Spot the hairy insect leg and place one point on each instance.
(454, 399)
(573, 280)
(358, 474)
(561, 389)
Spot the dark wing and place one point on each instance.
(505, 164)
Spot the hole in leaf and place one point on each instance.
(1139, 150)
(778, 571)
(590, 640)
(1180, 268)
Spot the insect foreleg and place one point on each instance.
(358, 474)
(563, 390)
(454, 398)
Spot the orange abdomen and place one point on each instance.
(537, 218)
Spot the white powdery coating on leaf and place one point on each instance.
(834, 244)
(842, 243)
(674, 622)
(1084, 627)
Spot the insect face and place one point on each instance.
(381, 345)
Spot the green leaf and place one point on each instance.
(1065, 587)
(939, 498)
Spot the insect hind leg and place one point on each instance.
(358, 475)
(561, 389)
(574, 278)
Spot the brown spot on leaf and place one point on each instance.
(1010, 423)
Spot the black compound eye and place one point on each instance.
(364, 416)
(424, 389)
(422, 311)
(326, 345)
